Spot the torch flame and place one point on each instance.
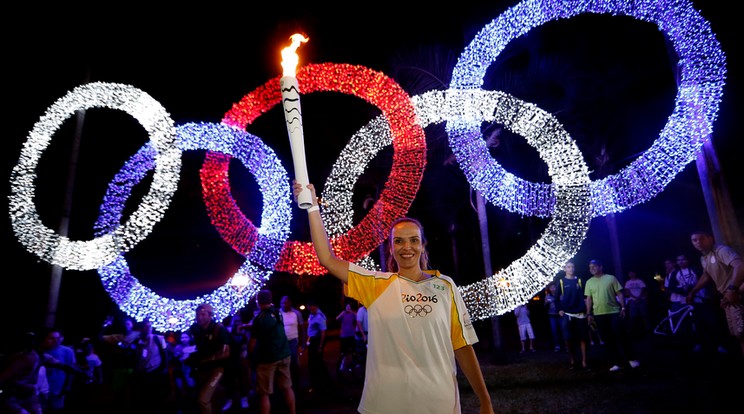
(289, 55)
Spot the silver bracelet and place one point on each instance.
(313, 208)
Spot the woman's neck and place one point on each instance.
(416, 275)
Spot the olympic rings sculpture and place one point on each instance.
(572, 199)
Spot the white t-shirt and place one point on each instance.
(414, 329)
(362, 318)
(686, 279)
(635, 288)
(291, 324)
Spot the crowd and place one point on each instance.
(697, 307)
(254, 358)
(213, 367)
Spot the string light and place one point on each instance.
(702, 70)
(86, 255)
(141, 302)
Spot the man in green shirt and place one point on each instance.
(269, 348)
(605, 307)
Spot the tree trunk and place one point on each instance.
(499, 354)
(724, 225)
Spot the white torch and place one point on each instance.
(293, 117)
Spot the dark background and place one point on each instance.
(198, 61)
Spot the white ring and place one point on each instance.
(564, 234)
(92, 254)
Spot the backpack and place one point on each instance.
(561, 281)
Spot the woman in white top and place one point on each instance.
(418, 325)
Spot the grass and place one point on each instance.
(670, 379)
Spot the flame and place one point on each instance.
(289, 55)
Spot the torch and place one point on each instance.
(293, 117)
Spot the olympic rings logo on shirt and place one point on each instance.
(571, 200)
(417, 310)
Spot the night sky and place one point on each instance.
(607, 74)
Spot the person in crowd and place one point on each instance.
(294, 328)
(120, 358)
(678, 284)
(208, 362)
(60, 380)
(572, 309)
(42, 387)
(150, 377)
(636, 301)
(707, 314)
(554, 318)
(724, 266)
(362, 332)
(670, 269)
(91, 362)
(419, 324)
(269, 348)
(88, 389)
(183, 382)
(605, 306)
(238, 373)
(20, 379)
(347, 334)
(317, 325)
(524, 328)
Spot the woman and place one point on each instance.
(418, 323)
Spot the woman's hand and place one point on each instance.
(297, 189)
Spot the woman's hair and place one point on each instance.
(392, 265)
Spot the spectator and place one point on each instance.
(87, 390)
(316, 337)
(120, 357)
(150, 377)
(636, 302)
(362, 331)
(572, 309)
(524, 327)
(294, 328)
(183, 381)
(238, 374)
(679, 283)
(348, 320)
(212, 353)
(725, 268)
(20, 380)
(670, 269)
(269, 348)
(554, 318)
(707, 315)
(60, 380)
(605, 307)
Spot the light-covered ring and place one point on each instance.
(85, 255)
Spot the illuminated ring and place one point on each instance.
(702, 70)
(91, 254)
(409, 159)
(564, 234)
(141, 302)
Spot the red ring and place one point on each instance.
(409, 160)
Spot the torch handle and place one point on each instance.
(293, 118)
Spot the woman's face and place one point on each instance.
(185, 338)
(406, 244)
